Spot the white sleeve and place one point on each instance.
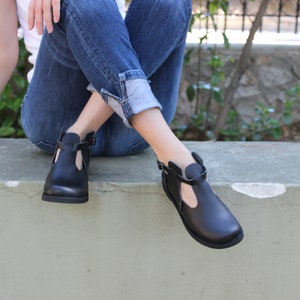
(31, 38)
(121, 5)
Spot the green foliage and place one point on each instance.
(293, 99)
(263, 126)
(202, 118)
(12, 96)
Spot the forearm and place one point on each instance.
(6, 68)
(8, 40)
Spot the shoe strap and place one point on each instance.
(192, 181)
(74, 147)
(85, 145)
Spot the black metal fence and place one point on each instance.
(281, 15)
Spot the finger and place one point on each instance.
(39, 18)
(47, 14)
(56, 10)
(31, 14)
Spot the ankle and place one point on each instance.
(74, 129)
(182, 159)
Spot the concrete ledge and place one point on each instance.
(127, 242)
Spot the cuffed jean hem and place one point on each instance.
(136, 96)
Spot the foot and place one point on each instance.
(67, 182)
(209, 222)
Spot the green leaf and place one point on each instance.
(287, 120)
(21, 82)
(2, 105)
(188, 54)
(217, 95)
(226, 41)
(203, 38)
(6, 131)
(213, 7)
(191, 93)
(17, 104)
(224, 7)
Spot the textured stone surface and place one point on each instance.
(272, 70)
(128, 242)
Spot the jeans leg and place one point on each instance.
(56, 94)
(101, 66)
(163, 70)
(157, 30)
(111, 46)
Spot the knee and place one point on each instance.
(174, 7)
(89, 9)
(38, 139)
(35, 130)
(177, 13)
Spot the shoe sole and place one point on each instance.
(64, 199)
(200, 240)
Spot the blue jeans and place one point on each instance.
(135, 64)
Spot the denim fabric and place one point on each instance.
(93, 44)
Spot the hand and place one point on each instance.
(43, 12)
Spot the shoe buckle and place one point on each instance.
(163, 167)
(160, 165)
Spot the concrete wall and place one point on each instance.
(128, 242)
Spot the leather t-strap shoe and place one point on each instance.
(65, 183)
(210, 222)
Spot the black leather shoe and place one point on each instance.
(210, 222)
(65, 183)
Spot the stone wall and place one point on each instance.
(128, 242)
(272, 70)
